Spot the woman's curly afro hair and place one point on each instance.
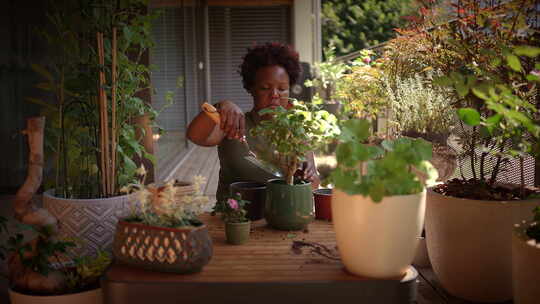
(270, 53)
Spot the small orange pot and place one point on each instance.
(323, 204)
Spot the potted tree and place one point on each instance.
(94, 75)
(163, 232)
(36, 274)
(233, 213)
(379, 200)
(487, 60)
(293, 133)
(526, 260)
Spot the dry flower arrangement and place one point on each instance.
(168, 204)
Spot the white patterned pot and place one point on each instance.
(90, 222)
(378, 240)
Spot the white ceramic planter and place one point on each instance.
(525, 267)
(377, 240)
(94, 296)
(469, 244)
(90, 221)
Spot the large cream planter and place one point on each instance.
(377, 240)
(91, 222)
(470, 244)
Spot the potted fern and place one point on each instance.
(163, 232)
(292, 133)
(379, 200)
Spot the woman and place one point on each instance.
(267, 71)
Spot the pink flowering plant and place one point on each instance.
(232, 210)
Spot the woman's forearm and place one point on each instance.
(203, 131)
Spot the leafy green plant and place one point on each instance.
(362, 90)
(233, 209)
(70, 76)
(164, 205)
(295, 131)
(396, 167)
(87, 271)
(327, 76)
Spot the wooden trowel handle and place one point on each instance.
(212, 112)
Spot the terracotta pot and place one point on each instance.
(94, 296)
(525, 267)
(323, 204)
(469, 244)
(237, 233)
(255, 193)
(378, 240)
(288, 207)
(181, 250)
(92, 221)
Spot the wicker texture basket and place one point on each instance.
(179, 250)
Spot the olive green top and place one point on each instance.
(233, 166)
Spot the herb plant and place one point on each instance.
(420, 109)
(295, 131)
(396, 167)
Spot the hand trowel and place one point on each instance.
(268, 167)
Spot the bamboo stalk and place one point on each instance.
(113, 112)
(106, 120)
(101, 138)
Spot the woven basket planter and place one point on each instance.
(179, 250)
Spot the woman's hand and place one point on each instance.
(232, 120)
(311, 174)
(310, 170)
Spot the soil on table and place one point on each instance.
(481, 190)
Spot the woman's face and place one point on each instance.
(271, 88)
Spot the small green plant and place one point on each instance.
(162, 205)
(87, 271)
(295, 131)
(233, 209)
(327, 76)
(396, 167)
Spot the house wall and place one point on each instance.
(307, 30)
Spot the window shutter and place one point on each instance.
(232, 30)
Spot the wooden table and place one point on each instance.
(273, 267)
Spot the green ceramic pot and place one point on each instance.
(288, 207)
(237, 233)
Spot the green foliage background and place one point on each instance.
(352, 25)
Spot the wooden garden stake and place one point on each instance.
(113, 113)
